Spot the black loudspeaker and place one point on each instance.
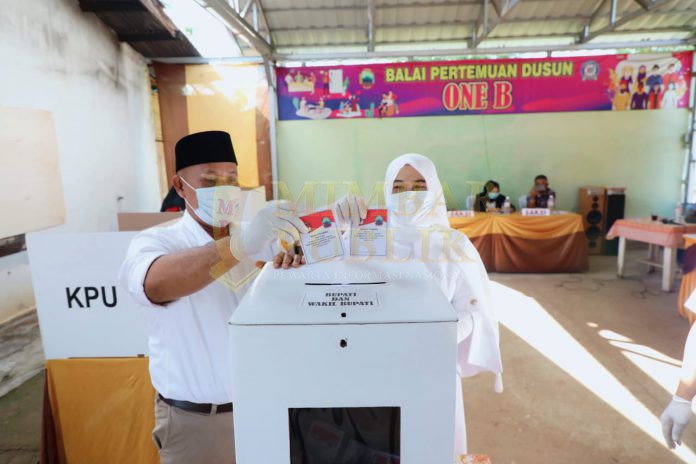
(616, 206)
(592, 207)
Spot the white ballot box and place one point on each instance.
(350, 363)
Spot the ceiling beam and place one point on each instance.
(245, 9)
(262, 14)
(361, 7)
(236, 23)
(585, 19)
(496, 7)
(255, 9)
(370, 25)
(596, 11)
(625, 19)
(645, 4)
(648, 5)
(308, 57)
(612, 12)
(504, 9)
(432, 24)
(480, 51)
(400, 5)
(465, 40)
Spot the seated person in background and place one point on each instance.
(540, 193)
(172, 202)
(490, 199)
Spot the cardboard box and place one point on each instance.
(336, 361)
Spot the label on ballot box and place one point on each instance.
(536, 212)
(323, 240)
(370, 237)
(340, 297)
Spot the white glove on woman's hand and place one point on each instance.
(674, 419)
(349, 210)
(276, 220)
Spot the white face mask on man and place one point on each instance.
(411, 208)
(217, 206)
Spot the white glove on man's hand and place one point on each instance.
(674, 419)
(349, 210)
(276, 220)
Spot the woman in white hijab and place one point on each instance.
(419, 230)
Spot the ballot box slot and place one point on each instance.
(355, 435)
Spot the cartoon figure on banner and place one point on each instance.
(312, 110)
(388, 106)
(350, 108)
(660, 90)
(627, 77)
(655, 97)
(671, 75)
(639, 100)
(325, 82)
(642, 75)
(297, 82)
(622, 98)
(669, 99)
(655, 78)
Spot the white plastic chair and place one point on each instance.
(470, 202)
(522, 201)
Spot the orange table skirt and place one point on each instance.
(516, 243)
(98, 410)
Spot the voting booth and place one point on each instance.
(344, 362)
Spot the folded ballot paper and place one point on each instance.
(323, 240)
(370, 237)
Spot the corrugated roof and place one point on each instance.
(295, 24)
(142, 24)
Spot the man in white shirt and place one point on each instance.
(189, 277)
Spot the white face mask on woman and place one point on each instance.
(410, 208)
(217, 206)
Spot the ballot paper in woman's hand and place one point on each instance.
(370, 237)
(323, 240)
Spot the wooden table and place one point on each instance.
(669, 237)
(516, 243)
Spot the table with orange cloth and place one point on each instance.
(668, 236)
(688, 284)
(98, 410)
(516, 243)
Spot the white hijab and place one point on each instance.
(437, 216)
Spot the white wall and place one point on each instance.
(56, 58)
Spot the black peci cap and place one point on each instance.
(204, 147)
